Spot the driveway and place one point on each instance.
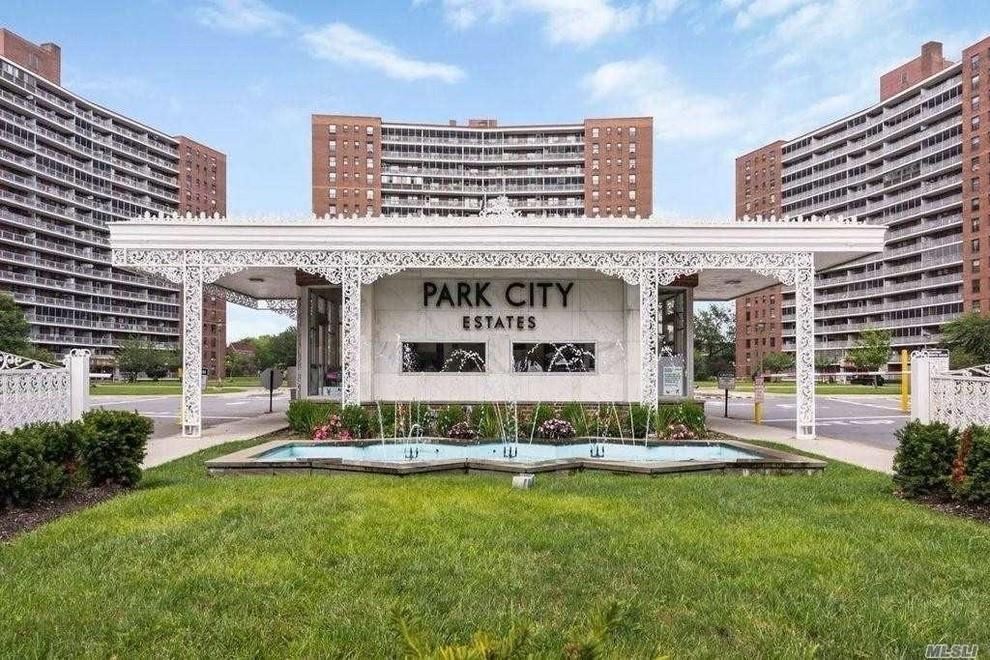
(869, 419)
(217, 408)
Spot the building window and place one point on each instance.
(594, 132)
(554, 357)
(975, 265)
(443, 357)
(975, 285)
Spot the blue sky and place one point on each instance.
(720, 77)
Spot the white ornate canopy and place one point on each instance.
(730, 259)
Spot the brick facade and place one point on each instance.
(347, 165)
(42, 59)
(911, 73)
(976, 182)
(618, 166)
(203, 189)
(758, 327)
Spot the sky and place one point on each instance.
(720, 77)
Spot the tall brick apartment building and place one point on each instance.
(67, 168)
(915, 161)
(363, 165)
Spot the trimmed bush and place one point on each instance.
(976, 484)
(25, 475)
(640, 422)
(923, 461)
(448, 417)
(305, 415)
(575, 414)
(115, 446)
(682, 421)
(356, 420)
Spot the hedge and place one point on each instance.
(45, 460)
(923, 461)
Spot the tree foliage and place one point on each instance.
(140, 356)
(714, 341)
(968, 340)
(278, 351)
(776, 363)
(872, 350)
(15, 331)
(238, 363)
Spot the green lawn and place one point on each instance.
(191, 566)
(160, 387)
(821, 388)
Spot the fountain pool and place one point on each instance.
(442, 455)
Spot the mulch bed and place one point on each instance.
(16, 521)
(947, 505)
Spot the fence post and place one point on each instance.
(78, 363)
(924, 364)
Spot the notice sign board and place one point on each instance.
(726, 381)
(758, 389)
(672, 380)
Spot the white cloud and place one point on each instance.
(243, 17)
(339, 42)
(644, 86)
(580, 22)
(336, 42)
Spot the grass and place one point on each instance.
(192, 566)
(164, 387)
(820, 388)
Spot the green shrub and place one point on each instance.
(115, 446)
(923, 461)
(25, 475)
(356, 420)
(529, 423)
(490, 420)
(447, 417)
(976, 484)
(383, 420)
(640, 420)
(687, 414)
(577, 416)
(305, 415)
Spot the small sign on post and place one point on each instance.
(759, 390)
(726, 381)
(270, 380)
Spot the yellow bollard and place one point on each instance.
(905, 383)
(757, 412)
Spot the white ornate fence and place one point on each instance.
(33, 391)
(958, 397)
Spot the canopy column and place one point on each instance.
(804, 298)
(649, 294)
(192, 350)
(350, 288)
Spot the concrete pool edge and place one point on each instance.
(768, 461)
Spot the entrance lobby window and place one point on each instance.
(323, 343)
(567, 357)
(450, 357)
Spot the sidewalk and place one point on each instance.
(163, 450)
(871, 458)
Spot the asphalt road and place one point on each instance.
(217, 408)
(860, 418)
(870, 419)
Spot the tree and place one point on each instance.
(277, 351)
(872, 351)
(15, 331)
(137, 356)
(238, 363)
(968, 339)
(776, 363)
(826, 359)
(14, 327)
(714, 341)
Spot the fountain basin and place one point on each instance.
(444, 455)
